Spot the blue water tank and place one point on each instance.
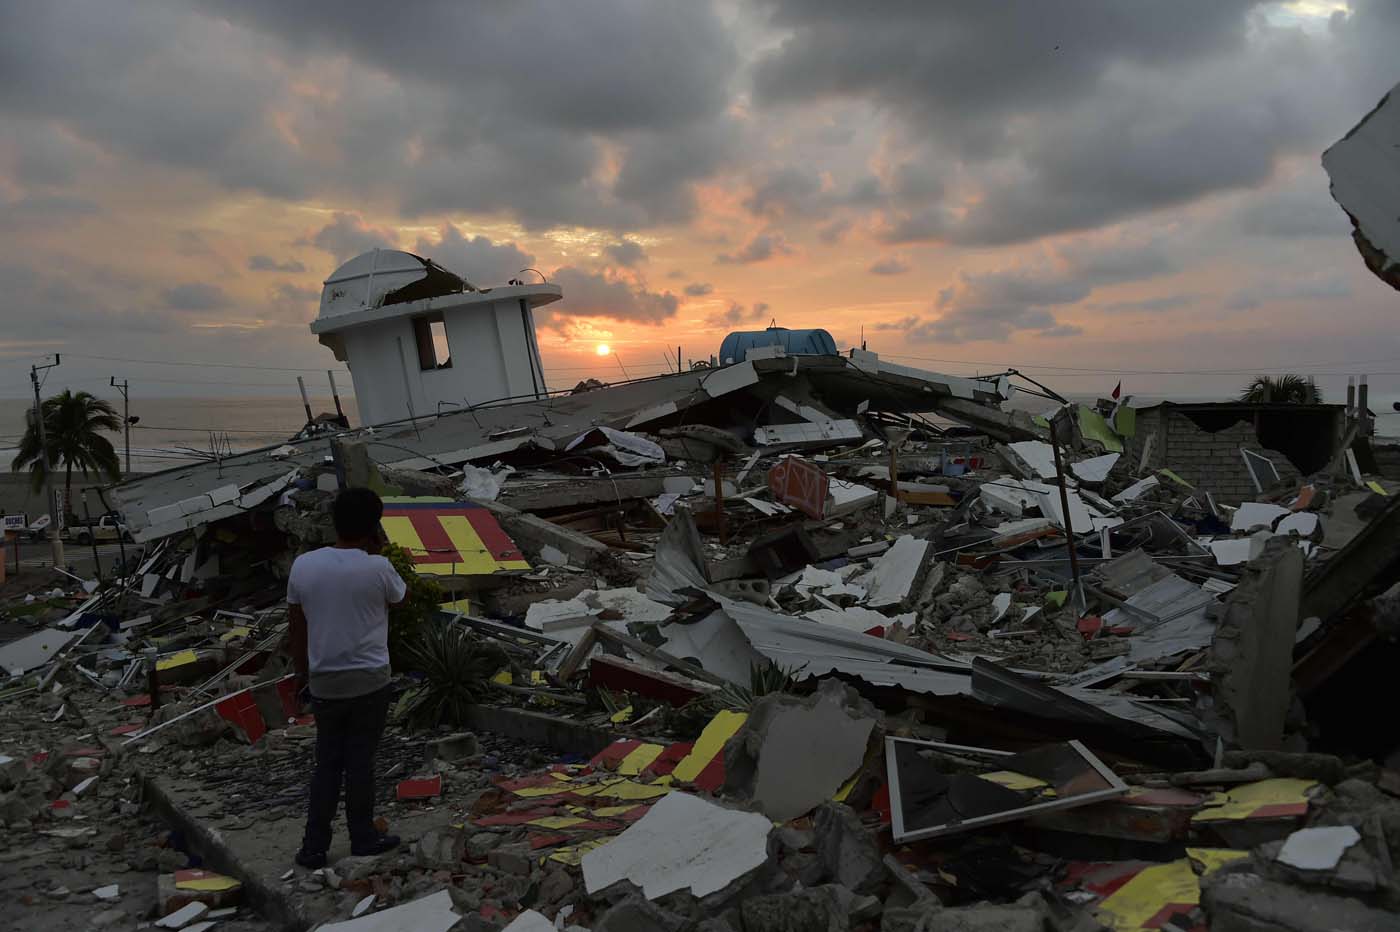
(736, 346)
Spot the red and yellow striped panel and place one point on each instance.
(448, 538)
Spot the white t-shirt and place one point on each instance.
(345, 594)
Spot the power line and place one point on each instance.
(202, 365)
(1236, 370)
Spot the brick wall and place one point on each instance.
(1209, 461)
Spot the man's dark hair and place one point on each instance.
(357, 513)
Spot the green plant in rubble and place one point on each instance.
(408, 619)
(456, 668)
(764, 679)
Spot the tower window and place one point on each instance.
(430, 333)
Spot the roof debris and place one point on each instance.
(803, 634)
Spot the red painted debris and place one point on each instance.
(668, 759)
(515, 818)
(540, 840)
(241, 710)
(419, 789)
(609, 757)
(798, 483)
(126, 729)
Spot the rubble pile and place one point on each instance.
(805, 642)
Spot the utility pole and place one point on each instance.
(55, 519)
(126, 418)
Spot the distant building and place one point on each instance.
(417, 337)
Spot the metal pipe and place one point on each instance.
(335, 395)
(305, 402)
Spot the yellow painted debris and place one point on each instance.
(557, 821)
(1018, 781)
(1140, 900)
(572, 855)
(177, 660)
(640, 759)
(208, 883)
(1244, 801)
(711, 742)
(630, 789)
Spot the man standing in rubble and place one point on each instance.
(339, 600)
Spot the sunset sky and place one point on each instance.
(1087, 190)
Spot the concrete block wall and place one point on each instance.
(1209, 461)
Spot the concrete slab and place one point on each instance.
(682, 843)
(26, 653)
(1038, 457)
(432, 913)
(793, 754)
(1095, 469)
(894, 573)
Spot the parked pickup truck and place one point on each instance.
(107, 529)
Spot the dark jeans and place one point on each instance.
(347, 733)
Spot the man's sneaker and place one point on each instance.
(311, 860)
(377, 846)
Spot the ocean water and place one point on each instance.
(176, 431)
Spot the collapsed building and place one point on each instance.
(797, 640)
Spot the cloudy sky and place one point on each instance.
(1084, 189)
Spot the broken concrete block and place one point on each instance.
(847, 851)
(988, 917)
(440, 848)
(1237, 900)
(481, 844)
(456, 748)
(635, 914)
(817, 909)
(512, 859)
(1251, 656)
(556, 885)
(707, 847)
(793, 754)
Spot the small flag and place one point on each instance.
(1117, 390)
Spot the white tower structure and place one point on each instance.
(416, 336)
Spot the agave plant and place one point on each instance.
(764, 679)
(456, 667)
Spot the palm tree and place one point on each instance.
(74, 424)
(1282, 389)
